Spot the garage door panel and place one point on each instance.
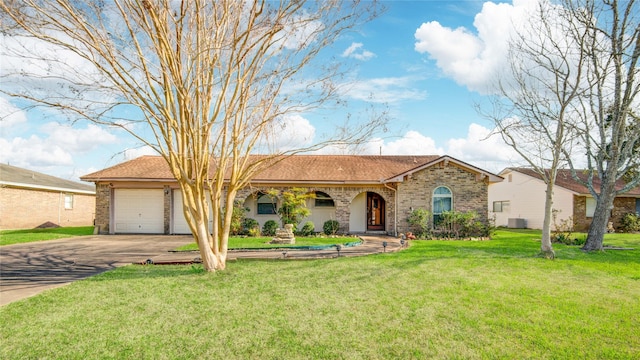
(139, 211)
(179, 222)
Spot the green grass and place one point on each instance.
(435, 300)
(263, 242)
(8, 237)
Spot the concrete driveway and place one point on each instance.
(28, 269)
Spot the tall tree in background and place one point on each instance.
(609, 115)
(204, 83)
(533, 105)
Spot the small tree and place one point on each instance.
(293, 205)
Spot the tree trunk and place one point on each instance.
(598, 227)
(196, 211)
(545, 247)
(209, 260)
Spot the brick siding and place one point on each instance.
(27, 208)
(468, 192)
(621, 207)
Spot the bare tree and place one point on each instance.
(204, 83)
(608, 122)
(534, 99)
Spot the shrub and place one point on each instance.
(567, 239)
(331, 227)
(630, 223)
(250, 227)
(237, 217)
(269, 228)
(419, 221)
(460, 225)
(563, 230)
(308, 229)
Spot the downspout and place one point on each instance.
(395, 209)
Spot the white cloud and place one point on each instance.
(77, 139)
(133, 153)
(290, 132)
(482, 150)
(58, 148)
(474, 59)
(477, 148)
(412, 143)
(33, 152)
(352, 52)
(299, 31)
(384, 90)
(10, 115)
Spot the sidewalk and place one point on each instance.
(370, 245)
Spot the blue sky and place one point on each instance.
(428, 61)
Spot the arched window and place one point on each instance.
(442, 201)
(266, 205)
(323, 200)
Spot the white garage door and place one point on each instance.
(139, 211)
(180, 225)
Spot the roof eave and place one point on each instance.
(47, 188)
(107, 179)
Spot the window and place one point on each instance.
(500, 206)
(324, 200)
(638, 207)
(68, 201)
(266, 205)
(442, 202)
(591, 207)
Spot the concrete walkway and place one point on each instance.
(28, 269)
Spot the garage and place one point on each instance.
(138, 211)
(180, 225)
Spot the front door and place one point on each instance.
(375, 212)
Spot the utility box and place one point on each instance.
(517, 223)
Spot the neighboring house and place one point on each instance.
(518, 201)
(29, 199)
(363, 193)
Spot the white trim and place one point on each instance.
(50, 188)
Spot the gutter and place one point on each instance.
(50, 188)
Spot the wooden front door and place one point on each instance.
(375, 212)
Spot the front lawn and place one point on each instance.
(434, 300)
(8, 237)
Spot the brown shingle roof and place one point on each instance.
(19, 177)
(307, 168)
(565, 179)
(145, 167)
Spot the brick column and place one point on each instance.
(103, 207)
